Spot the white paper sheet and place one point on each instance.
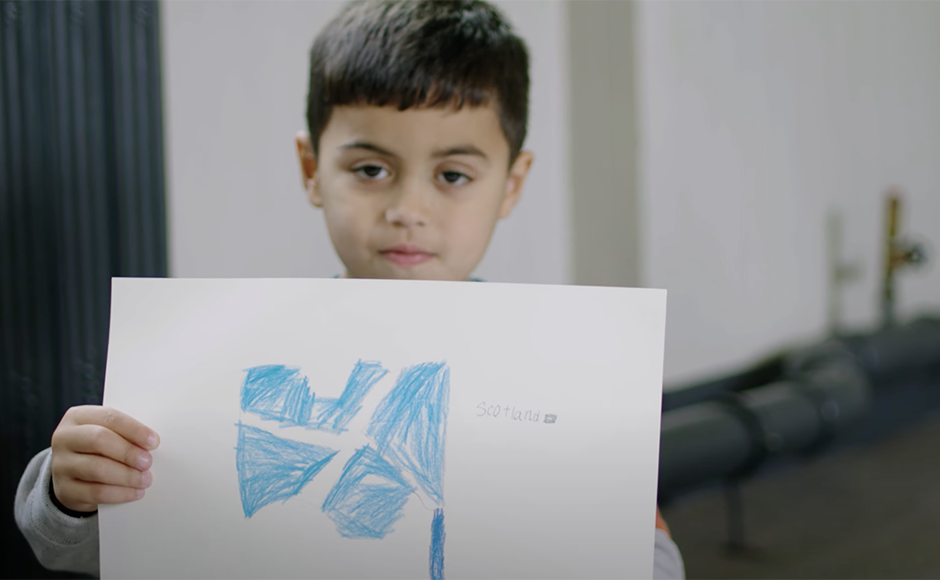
(544, 402)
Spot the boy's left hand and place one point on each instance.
(661, 523)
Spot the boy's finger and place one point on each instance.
(122, 424)
(90, 495)
(102, 470)
(98, 440)
(661, 523)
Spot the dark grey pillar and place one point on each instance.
(81, 200)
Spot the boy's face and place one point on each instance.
(412, 194)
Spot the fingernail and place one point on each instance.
(143, 462)
(152, 441)
(146, 478)
(140, 493)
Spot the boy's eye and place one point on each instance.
(371, 171)
(454, 178)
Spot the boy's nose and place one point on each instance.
(408, 209)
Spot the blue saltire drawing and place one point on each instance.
(408, 429)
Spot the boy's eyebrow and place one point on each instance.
(440, 153)
(369, 147)
(461, 150)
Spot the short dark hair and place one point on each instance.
(420, 53)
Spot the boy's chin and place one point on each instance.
(428, 274)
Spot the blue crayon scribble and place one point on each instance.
(409, 428)
(277, 392)
(368, 498)
(333, 414)
(410, 424)
(436, 558)
(271, 468)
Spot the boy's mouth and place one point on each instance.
(406, 255)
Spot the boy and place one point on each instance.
(416, 114)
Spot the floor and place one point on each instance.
(864, 512)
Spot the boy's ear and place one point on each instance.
(308, 168)
(514, 184)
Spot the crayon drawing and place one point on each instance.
(311, 428)
(408, 433)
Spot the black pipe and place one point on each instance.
(729, 428)
(734, 436)
(762, 373)
(899, 350)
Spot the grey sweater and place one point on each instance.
(63, 542)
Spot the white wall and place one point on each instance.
(755, 119)
(604, 216)
(235, 77)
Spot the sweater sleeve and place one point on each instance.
(60, 542)
(667, 561)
